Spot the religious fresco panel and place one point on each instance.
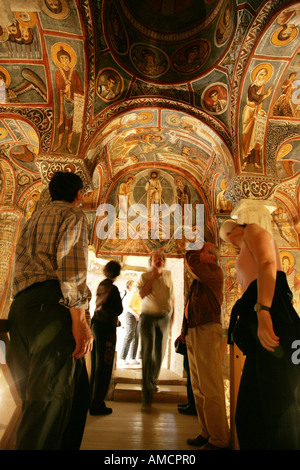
(287, 160)
(23, 84)
(19, 142)
(286, 103)
(222, 205)
(21, 38)
(281, 38)
(232, 289)
(61, 16)
(170, 63)
(212, 95)
(271, 87)
(136, 194)
(152, 136)
(253, 123)
(111, 83)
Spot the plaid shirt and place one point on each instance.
(53, 244)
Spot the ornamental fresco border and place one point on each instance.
(251, 187)
(49, 165)
(41, 118)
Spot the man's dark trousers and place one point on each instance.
(48, 378)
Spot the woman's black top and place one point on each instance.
(108, 303)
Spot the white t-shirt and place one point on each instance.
(159, 299)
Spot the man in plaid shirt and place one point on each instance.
(49, 334)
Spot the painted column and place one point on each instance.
(9, 229)
(255, 211)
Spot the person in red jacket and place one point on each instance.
(202, 333)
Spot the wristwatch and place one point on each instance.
(258, 307)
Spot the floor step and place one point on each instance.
(132, 392)
(134, 375)
(127, 386)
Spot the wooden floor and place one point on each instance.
(128, 428)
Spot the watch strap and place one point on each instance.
(258, 307)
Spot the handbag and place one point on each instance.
(180, 347)
(243, 323)
(242, 329)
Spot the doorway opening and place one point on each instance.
(132, 268)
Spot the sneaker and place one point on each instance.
(183, 405)
(188, 410)
(198, 441)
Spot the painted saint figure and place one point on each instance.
(253, 108)
(154, 190)
(67, 84)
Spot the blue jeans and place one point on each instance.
(154, 336)
(131, 337)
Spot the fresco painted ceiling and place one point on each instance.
(204, 91)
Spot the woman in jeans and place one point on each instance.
(132, 309)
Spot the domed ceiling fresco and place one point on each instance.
(201, 96)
